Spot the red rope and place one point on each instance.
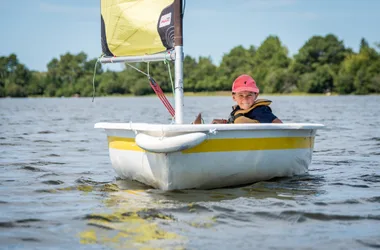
(162, 97)
(157, 89)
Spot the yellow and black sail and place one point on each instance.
(136, 27)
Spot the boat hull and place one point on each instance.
(228, 155)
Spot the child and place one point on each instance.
(249, 109)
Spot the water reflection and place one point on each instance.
(140, 215)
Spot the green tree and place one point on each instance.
(14, 77)
(359, 72)
(238, 61)
(363, 45)
(323, 80)
(190, 76)
(109, 84)
(36, 84)
(63, 74)
(319, 51)
(205, 73)
(271, 56)
(281, 81)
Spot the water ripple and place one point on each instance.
(53, 182)
(18, 223)
(300, 216)
(46, 132)
(375, 199)
(349, 185)
(33, 169)
(373, 243)
(42, 141)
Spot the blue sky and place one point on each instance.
(39, 30)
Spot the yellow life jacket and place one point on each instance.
(241, 115)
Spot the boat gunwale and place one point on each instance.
(206, 127)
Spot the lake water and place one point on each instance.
(58, 189)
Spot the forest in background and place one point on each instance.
(322, 65)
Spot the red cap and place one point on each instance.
(244, 83)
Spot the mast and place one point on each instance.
(144, 45)
(178, 48)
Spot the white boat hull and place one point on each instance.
(208, 156)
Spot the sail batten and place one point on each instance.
(136, 27)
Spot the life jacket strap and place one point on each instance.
(235, 114)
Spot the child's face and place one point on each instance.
(244, 99)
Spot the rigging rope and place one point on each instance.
(167, 62)
(183, 9)
(93, 78)
(157, 89)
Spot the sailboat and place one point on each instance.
(187, 156)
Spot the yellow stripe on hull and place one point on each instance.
(246, 144)
(225, 145)
(123, 143)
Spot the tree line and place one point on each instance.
(322, 65)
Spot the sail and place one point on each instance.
(136, 27)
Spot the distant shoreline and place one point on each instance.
(211, 93)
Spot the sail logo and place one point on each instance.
(165, 20)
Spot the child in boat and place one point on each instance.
(249, 109)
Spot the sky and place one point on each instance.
(39, 30)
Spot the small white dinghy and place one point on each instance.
(185, 156)
(208, 156)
